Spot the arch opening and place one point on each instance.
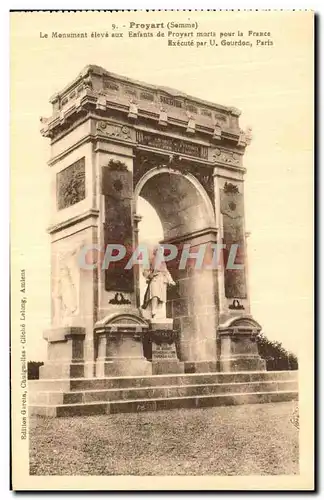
(178, 211)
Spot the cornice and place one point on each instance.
(96, 89)
(73, 220)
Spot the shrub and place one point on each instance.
(33, 369)
(276, 356)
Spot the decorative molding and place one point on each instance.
(72, 221)
(94, 86)
(124, 323)
(63, 333)
(224, 156)
(115, 131)
(193, 235)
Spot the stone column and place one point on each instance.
(114, 167)
(136, 220)
(194, 308)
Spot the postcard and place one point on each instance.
(162, 207)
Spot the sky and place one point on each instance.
(272, 87)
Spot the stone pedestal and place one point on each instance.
(239, 350)
(164, 354)
(120, 347)
(65, 353)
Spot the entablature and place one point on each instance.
(114, 96)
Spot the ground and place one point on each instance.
(232, 440)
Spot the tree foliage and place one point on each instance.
(276, 356)
(33, 369)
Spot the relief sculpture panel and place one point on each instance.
(70, 184)
(66, 289)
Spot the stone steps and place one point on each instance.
(143, 405)
(149, 392)
(158, 380)
(123, 394)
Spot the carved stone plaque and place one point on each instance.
(70, 184)
(163, 351)
(117, 189)
(233, 229)
(171, 144)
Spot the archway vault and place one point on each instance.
(179, 200)
(186, 213)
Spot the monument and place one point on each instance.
(114, 139)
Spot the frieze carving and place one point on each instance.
(130, 91)
(147, 96)
(171, 101)
(192, 109)
(109, 84)
(119, 131)
(70, 184)
(220, 117)
(206, 112)
(228, 157)
(171, 144)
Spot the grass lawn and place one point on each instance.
(232, 440)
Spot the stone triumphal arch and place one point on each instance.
(114, 139)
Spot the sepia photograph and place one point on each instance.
(162, 230)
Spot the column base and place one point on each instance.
(65, 353)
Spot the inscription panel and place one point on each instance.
(163, 351)
(171, 144)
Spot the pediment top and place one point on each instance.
(121, 318)
(240, 321)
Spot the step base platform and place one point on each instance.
(110, 395)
